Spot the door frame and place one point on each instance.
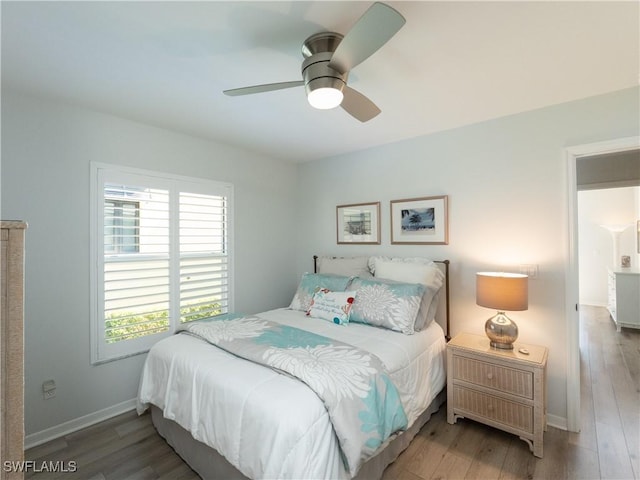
(573, 155)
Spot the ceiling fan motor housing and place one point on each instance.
(318, 50)
(317, 73)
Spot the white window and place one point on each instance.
(160, 248)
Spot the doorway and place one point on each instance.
(574, 155)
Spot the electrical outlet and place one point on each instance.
(49, 389)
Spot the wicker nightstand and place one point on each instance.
(501, 388)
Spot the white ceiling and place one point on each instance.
(452, 64)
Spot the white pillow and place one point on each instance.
(347, 266)
(378, 258)
(425, 272)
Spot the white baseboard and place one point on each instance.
(38, 438)
(557, 422)
(589, 303)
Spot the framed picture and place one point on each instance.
(420, 221)
(359, 223)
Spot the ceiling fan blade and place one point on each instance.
(357, 105)
(268, 87)
(370, 32)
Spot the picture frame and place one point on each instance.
(358, 224)
(420, 221)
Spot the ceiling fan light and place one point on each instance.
(323, 92)
(325, 98)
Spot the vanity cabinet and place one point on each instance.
(624, 297)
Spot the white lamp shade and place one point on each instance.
(502, 291)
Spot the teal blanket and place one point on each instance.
(363, 404)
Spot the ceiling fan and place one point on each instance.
(330, 56)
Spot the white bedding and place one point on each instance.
(269, 425)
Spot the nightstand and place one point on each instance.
(501, 388)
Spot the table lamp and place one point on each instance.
(503, 292)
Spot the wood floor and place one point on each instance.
(127, 447)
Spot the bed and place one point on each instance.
(233, 418)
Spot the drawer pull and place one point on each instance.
(489, 375)
(490, 407)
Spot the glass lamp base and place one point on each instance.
(502, 331)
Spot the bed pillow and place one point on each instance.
(332, 306)
(422, 271)
(387, 304)
(377, 258)
(348, 266)
(311, 283)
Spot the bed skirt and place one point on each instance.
(210, 465)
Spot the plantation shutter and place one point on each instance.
(136, 282)
(204, 282)
(161, 254)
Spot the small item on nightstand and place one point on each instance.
(523, 351)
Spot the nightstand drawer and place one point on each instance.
(493, 408)
(507, 380)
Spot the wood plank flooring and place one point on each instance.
(127, 447)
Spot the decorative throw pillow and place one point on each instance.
(386, 303)
(412, 271)
(332, 306)
(311, 283)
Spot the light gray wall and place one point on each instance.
(611, 206)
(46, 151)
(507, 185)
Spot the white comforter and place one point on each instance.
(269, 425)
